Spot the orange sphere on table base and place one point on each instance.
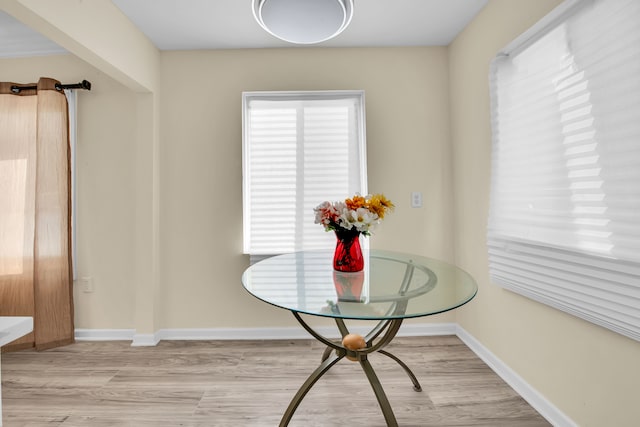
(353, 342)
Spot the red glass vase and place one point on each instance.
(348, 255)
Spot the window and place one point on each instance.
(299, 149)
(564, 223)
(17, 172)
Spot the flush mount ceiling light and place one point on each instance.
(303, 21)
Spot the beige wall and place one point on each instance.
(589, 373)
(406, 94)
(200, 173)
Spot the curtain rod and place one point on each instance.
(82, 85)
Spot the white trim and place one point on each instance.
(407, 330)
(104, 334)
(543, 26)
(295, 332)
(145, 340)
(544, 407)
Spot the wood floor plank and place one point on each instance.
(250, 384)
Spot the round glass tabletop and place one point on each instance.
(391, 286)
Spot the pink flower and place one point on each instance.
(326, 214)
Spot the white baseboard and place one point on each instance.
(104, 334)
(145, 340)
(116, 335)
(552, 414)
(291, 333)
(545, 408)
(288, 333)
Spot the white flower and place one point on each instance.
(361, 218)
(344, 220)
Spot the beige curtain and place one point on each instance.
(35, 211)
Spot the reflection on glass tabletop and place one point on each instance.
(391, 286)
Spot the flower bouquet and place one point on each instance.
(348, 219)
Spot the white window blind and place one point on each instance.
(299, 149)
(564, 223)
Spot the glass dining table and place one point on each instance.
(392, 287)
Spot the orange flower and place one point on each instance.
(379, 205)
(355, 202)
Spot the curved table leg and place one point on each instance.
(304, 389)
(389, 417)
(326, 354)
(414, 380)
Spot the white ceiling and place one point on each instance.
(18, 40)
(229, 24)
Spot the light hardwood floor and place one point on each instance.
(250, 383)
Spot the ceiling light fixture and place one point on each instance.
(303, 21)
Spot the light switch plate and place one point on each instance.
(416, 199)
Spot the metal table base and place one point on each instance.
(384, 332)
